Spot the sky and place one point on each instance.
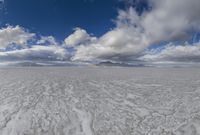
(94, 31)
(59, 17)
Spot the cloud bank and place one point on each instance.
(167, 21)
(18, 44)
(130, 41)
(178, 53)
(36, 52)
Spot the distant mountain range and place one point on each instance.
(109, 63)
(38, 64)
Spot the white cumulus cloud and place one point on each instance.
(171, 19)
(44, 48)
(123, 41)
(79, 36)
(14, 35)
(168, 20)
(50, 40)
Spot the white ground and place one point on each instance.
(100, 101)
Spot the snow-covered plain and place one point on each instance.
(99, 101)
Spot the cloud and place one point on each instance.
(48, 40)
(79, 36)
(123, 41)
(44, 48)
(174, 53)
(36, 52)
(113, 45)
(171, 19)
(14, 35)
(166, 21)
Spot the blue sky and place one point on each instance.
(59, 17)
(100, 30)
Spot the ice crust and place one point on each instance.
(99, 101)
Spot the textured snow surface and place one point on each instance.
(100, 101)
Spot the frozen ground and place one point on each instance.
(100, 101)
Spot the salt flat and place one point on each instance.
(99, 101)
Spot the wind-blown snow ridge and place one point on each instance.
(99, 101)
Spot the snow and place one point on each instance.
(99, 101)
